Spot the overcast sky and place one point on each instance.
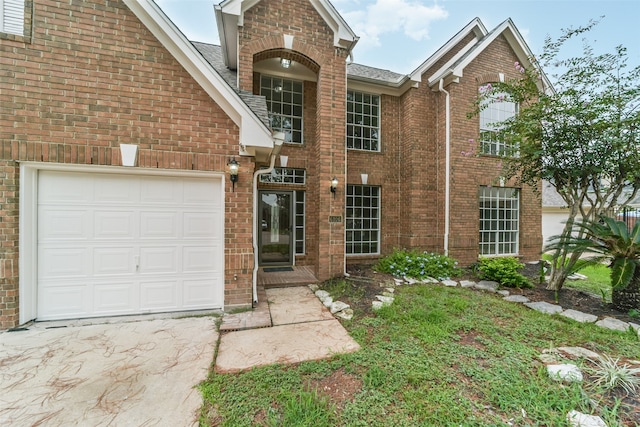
(398, 35)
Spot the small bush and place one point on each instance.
(504, 270)
(418, 265)
(609, 374)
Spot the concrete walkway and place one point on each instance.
(301, 329)
(117, 374)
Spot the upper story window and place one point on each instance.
(12, 17)
(363, 121)
(284, 102)
(496, 111)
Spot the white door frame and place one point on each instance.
(28, 217)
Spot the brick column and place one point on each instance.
(9, 223)
(330, 154)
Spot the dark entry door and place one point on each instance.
(275, 240)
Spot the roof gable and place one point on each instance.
(230, 16)
(475, 27)
(255, 136)
(453, 70)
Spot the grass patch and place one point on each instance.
(598, 281)
(437, 356)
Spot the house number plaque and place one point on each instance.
(335, 218)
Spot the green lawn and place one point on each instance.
(598, 281)
(437, 357)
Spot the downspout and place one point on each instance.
(447, 184)
(278, 139)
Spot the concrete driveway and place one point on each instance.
(138, 373)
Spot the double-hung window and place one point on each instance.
(495, 111)
(363, 121)
(363, 220)
(12, 17)
(499, 219)
(284, 102)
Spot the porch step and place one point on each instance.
(278, 279)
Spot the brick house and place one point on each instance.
(117, 135)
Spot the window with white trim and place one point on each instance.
(363, 121)
(499, 220)
(496, 111)
(284, 103)
(285, 176)
(12, 17)
(299, 222)
(363, 220)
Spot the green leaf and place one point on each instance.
(622, 270)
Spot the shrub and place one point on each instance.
(609, 374)
(419, 265)
(504, 270)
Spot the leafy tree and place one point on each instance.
(582, 135)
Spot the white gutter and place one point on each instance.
(447, 184)
(278, 139)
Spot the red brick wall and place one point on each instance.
(470, 172)
(411, 166)
(384, 169)
(91, 78)
(323, 152)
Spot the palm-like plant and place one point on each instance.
(609, 240)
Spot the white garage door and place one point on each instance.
(111, 244)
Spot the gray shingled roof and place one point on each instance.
(550, 197)
(213, 55)
(371, 73)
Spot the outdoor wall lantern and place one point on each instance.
(285, 63)
(334, 185)
(234, 167)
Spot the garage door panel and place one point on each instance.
(200, 258)
(64, 224)
(200, 294)
(110, 189)
(199, 225)
(63, 262)
(160, 295)
(128, 244)
(202, 193)
(154, 260)
(114, 298)
(114, 260)
(63, 302)
(111, 225)
(161, 191)
(55, 187)
(159, 225)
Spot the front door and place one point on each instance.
(275, 225)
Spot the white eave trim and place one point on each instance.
(454, 68)
(476, 27)
(343, 35)
(364, 84)
(230, 16)
(253, 132)
(445, 69)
